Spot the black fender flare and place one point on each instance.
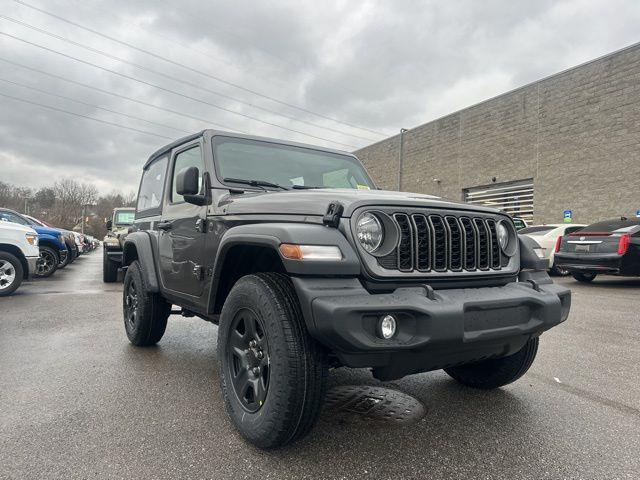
(141, 243)
(271, 235)
(528, 258)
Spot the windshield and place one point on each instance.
(287, 165)
(36, 221)
(125, 218)
(6, 216)
(540, 230)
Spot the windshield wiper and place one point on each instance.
(255, 183)
(306, 187)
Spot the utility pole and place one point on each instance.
(401, 157)
(82, 224)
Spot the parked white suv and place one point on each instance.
(547, 237)
(19, 253)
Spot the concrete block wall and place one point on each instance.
(576, 133)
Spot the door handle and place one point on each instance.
(165, 225)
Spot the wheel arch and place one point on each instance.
(137, 246)
(16, 252)
(254, 248)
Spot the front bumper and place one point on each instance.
(435, 329)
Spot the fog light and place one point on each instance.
(387, 327)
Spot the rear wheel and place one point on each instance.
(145, 313)
(109, 268)
(584, 277)
(559, 271)
(11, 273)
(273, 374)
(47, 263)
(496, 372)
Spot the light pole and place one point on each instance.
(401, 157)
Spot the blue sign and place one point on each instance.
(568, 216)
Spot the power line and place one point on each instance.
(195, 70)
(175, 79)
(124, 97)
(84, 116)
(159, 87)
(133, 117)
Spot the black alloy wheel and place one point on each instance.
(47, 263)
(131, 304)
(249, 361)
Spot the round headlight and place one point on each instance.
(503, 235)
(369, 232)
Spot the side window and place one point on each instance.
(13, 218)
(152, 185)
(187, 158)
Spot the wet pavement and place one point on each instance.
(77, 401)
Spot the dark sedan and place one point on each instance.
(609, 247)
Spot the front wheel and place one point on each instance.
(496, 372)
(47, 263)
(584, 277)
(145, 313)
(11, 273)
(272, 374)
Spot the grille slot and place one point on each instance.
(470, 244)
(495, 247)
(444, 243)
(422, 242)
(455, 243)
(405, 245)
(483, 244)
(440, 247)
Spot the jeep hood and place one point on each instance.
(315, 202)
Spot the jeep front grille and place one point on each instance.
(444, 243)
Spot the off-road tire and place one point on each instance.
(297, 369)
(53, 257)
(496, 372)
(109, 268)
(18, 273)
(584, 277)
(146, 325)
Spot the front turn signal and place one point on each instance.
(310, 252)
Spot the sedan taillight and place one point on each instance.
(623, 243)
(558, 244)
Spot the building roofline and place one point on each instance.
(513, 90)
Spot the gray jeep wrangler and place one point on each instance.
(304, 265)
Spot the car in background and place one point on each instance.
(547, 237)
(51, 242)
(609, 247)
(19, 254)
(117, 230)
(69, 239)
(520, 223)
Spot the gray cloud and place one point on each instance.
(380, 65)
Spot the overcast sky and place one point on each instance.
(344, 73)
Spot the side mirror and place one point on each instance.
(187, 181)
(109, 224)
(188, 185)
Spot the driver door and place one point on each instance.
(181, 240)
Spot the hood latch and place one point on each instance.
(332, 216)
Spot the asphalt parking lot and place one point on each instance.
(77, 401)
